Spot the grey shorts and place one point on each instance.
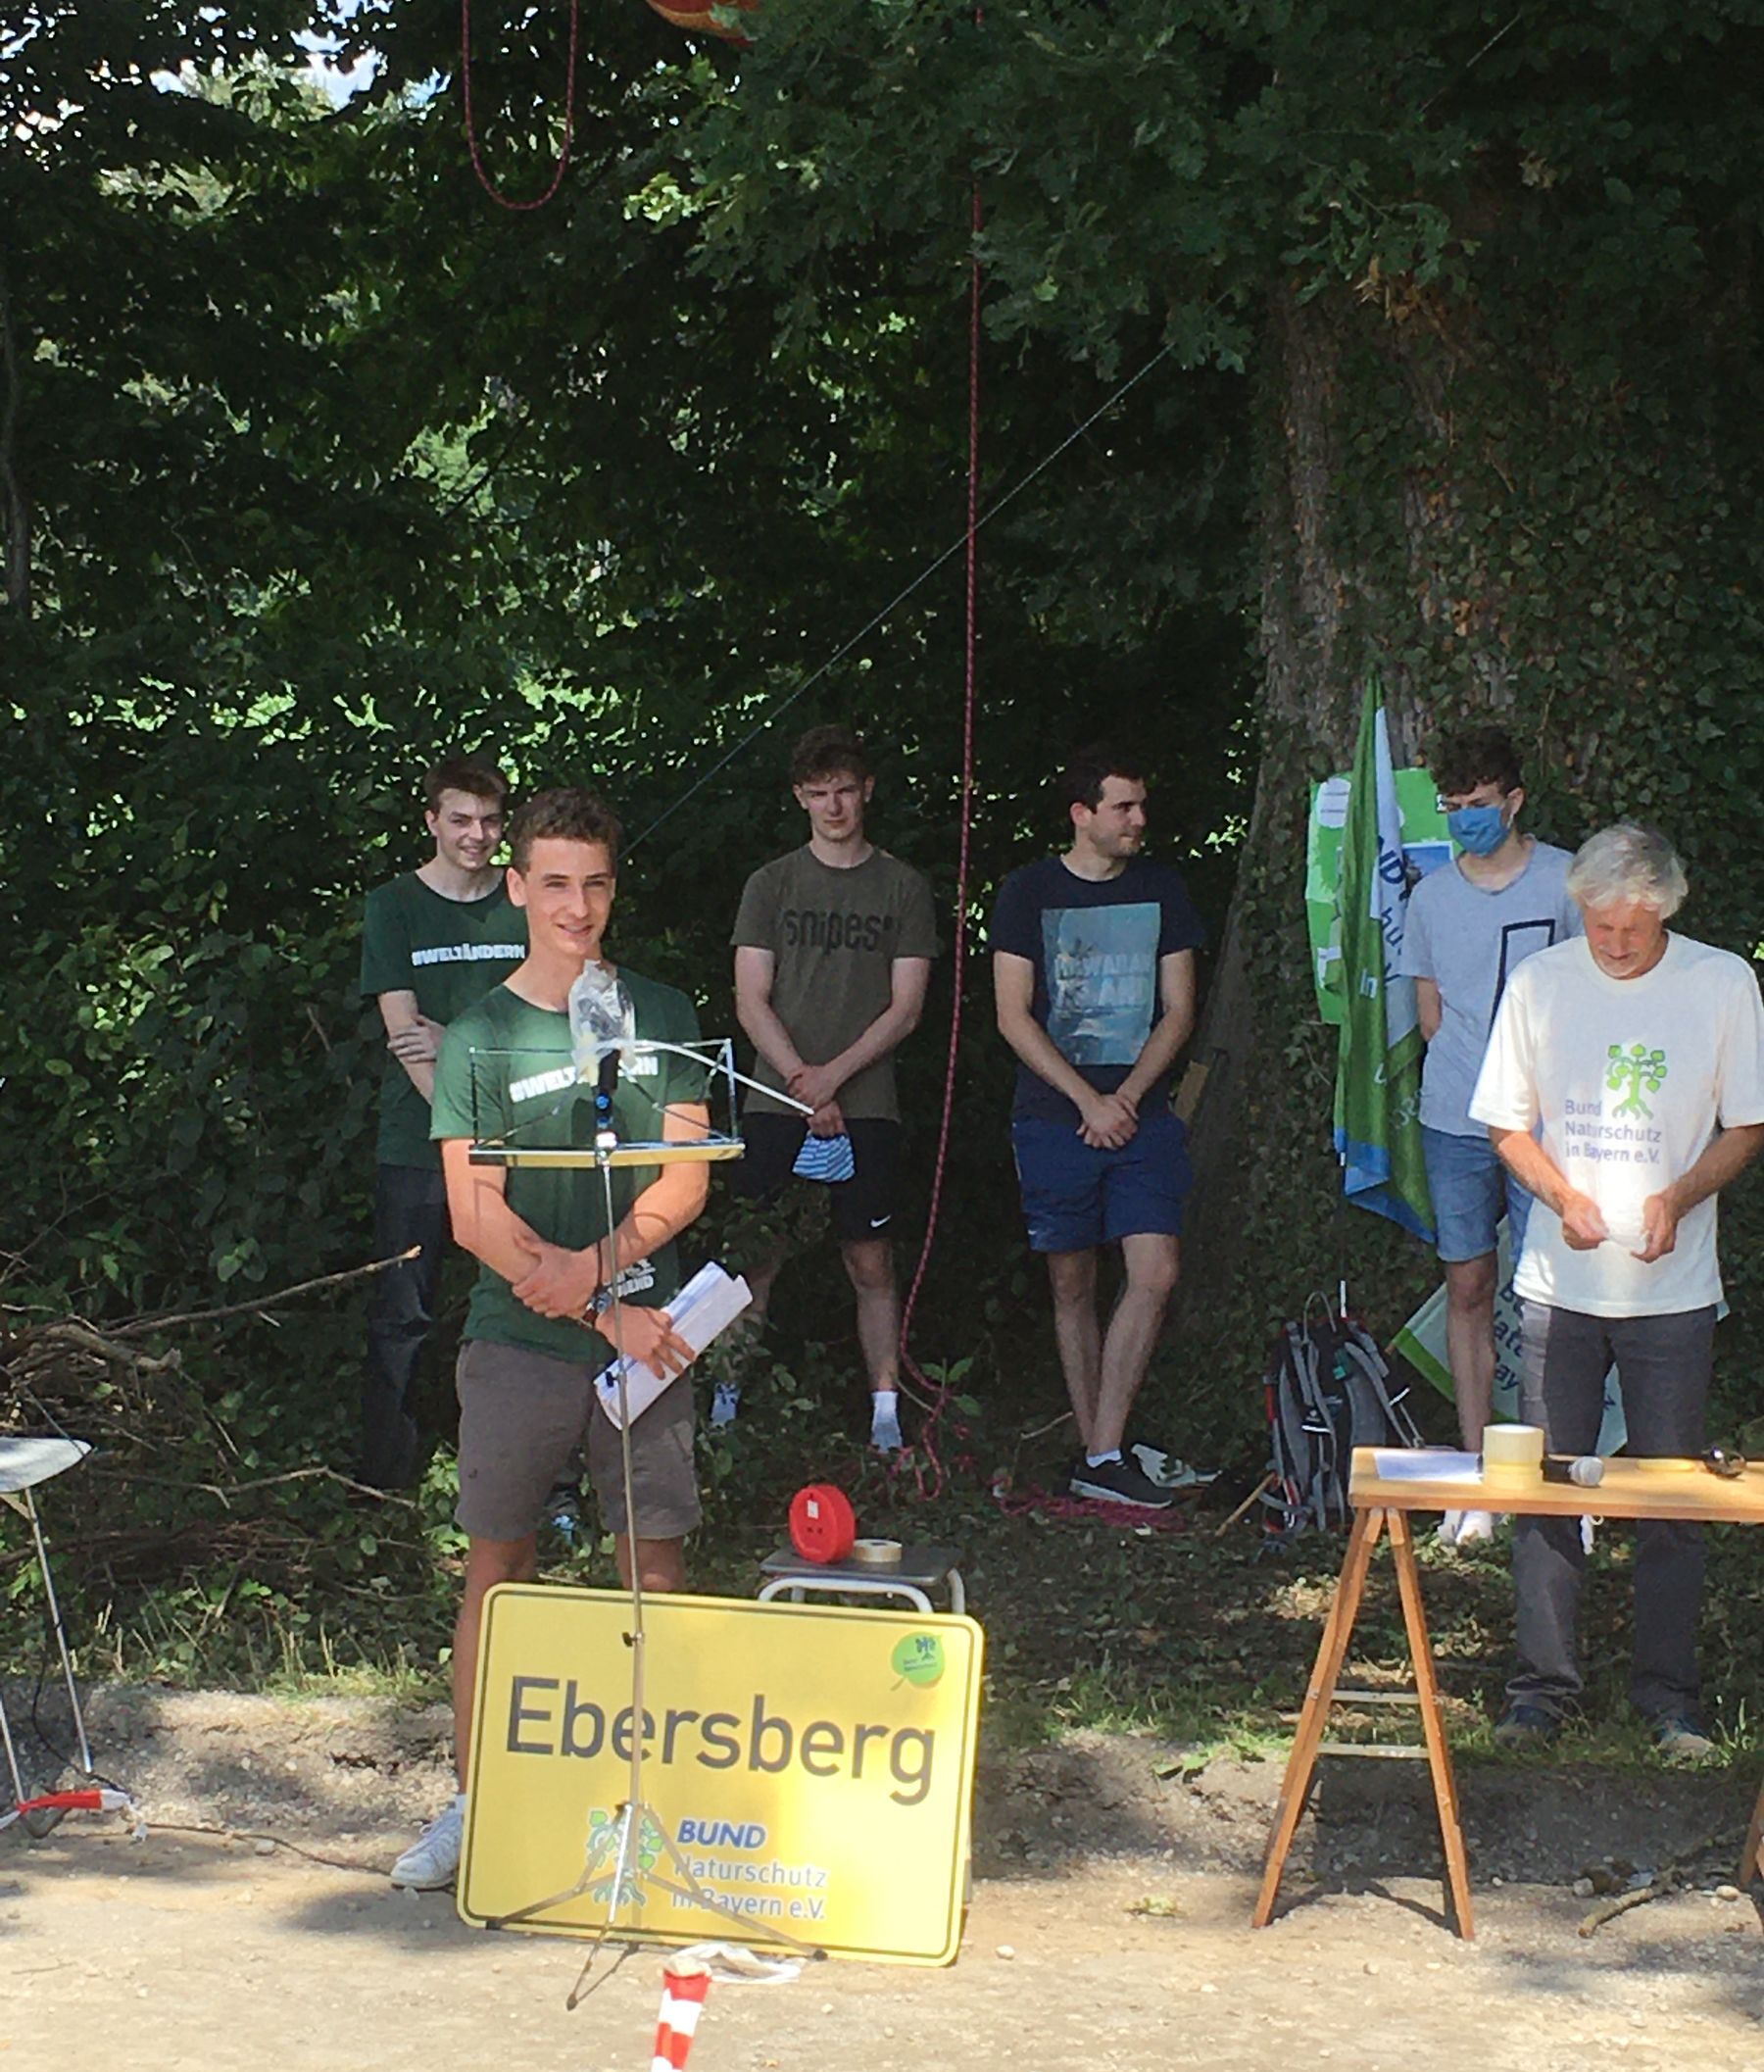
(523, 1413)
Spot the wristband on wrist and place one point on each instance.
(601, 1301)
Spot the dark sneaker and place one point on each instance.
(1682, 1738)
(1167, 1470)
(1119, 1482)
(1523, 1726)
(401, 1466)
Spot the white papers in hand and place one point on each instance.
(707, 1304)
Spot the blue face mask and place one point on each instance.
(1481, 829)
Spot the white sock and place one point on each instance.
(1102, 1460)
(884, 1418)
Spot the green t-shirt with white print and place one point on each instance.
(505, 1071)
(449, 953)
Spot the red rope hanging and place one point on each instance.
(489, 186)
(935, 1397)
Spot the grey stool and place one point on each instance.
(921, 1569)
(24, 1464)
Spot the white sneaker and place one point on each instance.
(1468, 1528)
(430, 1861)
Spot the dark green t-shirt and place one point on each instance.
(449, 953)
(506, 1072)
(835, 935)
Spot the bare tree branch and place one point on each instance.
(1671, 1877)
(83, 1338)
(137, 1326)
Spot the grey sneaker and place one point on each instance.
(1682, 1740)
(431, 1860)
(1167, 1470)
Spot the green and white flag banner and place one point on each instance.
(1378, 1061)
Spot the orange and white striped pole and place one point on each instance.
(684, 1984)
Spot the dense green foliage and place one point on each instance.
(1493, 280)
(331, 467)
(319, 463)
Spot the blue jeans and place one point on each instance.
(1470, 1187)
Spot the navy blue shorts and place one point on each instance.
(1076, 1197)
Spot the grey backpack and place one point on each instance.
(1328, 1388)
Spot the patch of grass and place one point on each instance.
(1205, 1642)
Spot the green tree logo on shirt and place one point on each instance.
(1635, 1068)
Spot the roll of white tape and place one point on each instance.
(876, 1554)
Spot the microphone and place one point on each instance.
(600, 1020)
(1585, 1473)
(605, 1086)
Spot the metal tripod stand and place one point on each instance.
(635, 1840)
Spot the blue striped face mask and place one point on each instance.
(825, 1158)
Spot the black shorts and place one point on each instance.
(863, 1206)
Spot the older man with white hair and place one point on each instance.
(1624, 1087)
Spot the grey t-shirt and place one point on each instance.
(835, 935)
(1470, 942)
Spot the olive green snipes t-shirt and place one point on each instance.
(506, 1074)
(449, 953)
(835, 935)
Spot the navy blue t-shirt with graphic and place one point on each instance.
(1096, 947)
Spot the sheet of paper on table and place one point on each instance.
(1393, 1463)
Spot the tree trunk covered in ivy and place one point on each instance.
(1491, 278)
(1508, 520)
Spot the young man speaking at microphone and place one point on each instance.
(538, 1329)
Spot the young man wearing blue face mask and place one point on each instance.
(1470, 927)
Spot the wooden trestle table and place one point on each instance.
(1385, 1488)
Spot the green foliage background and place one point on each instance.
(332, 466)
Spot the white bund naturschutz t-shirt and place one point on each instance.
(1630, 1079)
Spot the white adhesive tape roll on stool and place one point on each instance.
(1513, 1453)
(876, 1554)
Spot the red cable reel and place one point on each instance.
(824, 1527)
